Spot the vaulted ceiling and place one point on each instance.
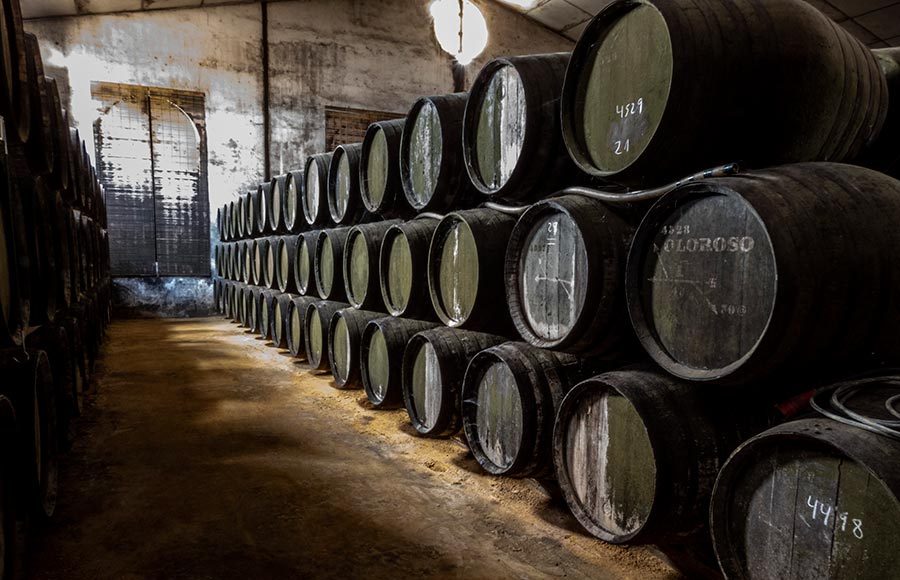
(875, 22)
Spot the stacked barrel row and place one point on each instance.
(54, 284)
(584, 337)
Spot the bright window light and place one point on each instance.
(460, 28)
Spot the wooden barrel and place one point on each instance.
(304, 262)
(260, 250)
(226, 222)
(75, 168)
(509, 399)
(19, 107)
(227, 290)
(317, 323)
(315, 191)
(281, 318)
(637, 452)
(238, 308)
(379, 170)
(247, 307)
(276, 204)
(54, 214)
(28, 383)
(512, 141)
(465, 265)
(247, 258)
(403, 264)
(236, 227)
(14, 310)
(12, 517)
(327, 266)
(267, 303)
(344, 203)
(39, 222)
(243, 206)
(80, 379)
(295, 328)
(285, 259)
(259, 215)
(432, 171)
(53, 340)
(381, 358)
(742, 278)
(640, 65)
(809, 499)
(362, 282)
(59, 127)
(252, 297)
(565, 276)
(273, 257)
(291, 202)
(884, 154)
(344, 336)
(41, 140)
(434, 365)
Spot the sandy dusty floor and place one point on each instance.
(207, 454)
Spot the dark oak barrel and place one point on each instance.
(403, 266)
(344, 336)
(281, 319)
(884, 154)
(295, 327)
(263, 207)
(28, 383)
(565, 276)
(381, 358)
(221, 236)
(362, 280)
(78, 356)
(59, 127)
(809, 499)
(16, 103)
(285, 259)
(276, 204)
(509, 396)
(41, 140)
(344, 203)
(260, 261)
(784, 271)
(225, 223)
(432, 171)
(465, 270)
(14, 310)
(328, 264)
(636, 453)
(434, 365)
(315, 191)
(243, 301)
(304, 262)
(379, 170)
(270, 271)
(291, 202)
(253, 297)
(237, 307)
(54, 341)
(317, 323)
(252, 209)
(512, 141)
(240, 216)
(267, 323)
(663, 89)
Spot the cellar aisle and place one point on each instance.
(207, 454)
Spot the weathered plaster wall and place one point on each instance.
(367, 54)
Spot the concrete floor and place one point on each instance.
(207, 454)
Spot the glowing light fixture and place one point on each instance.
(460, 28)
